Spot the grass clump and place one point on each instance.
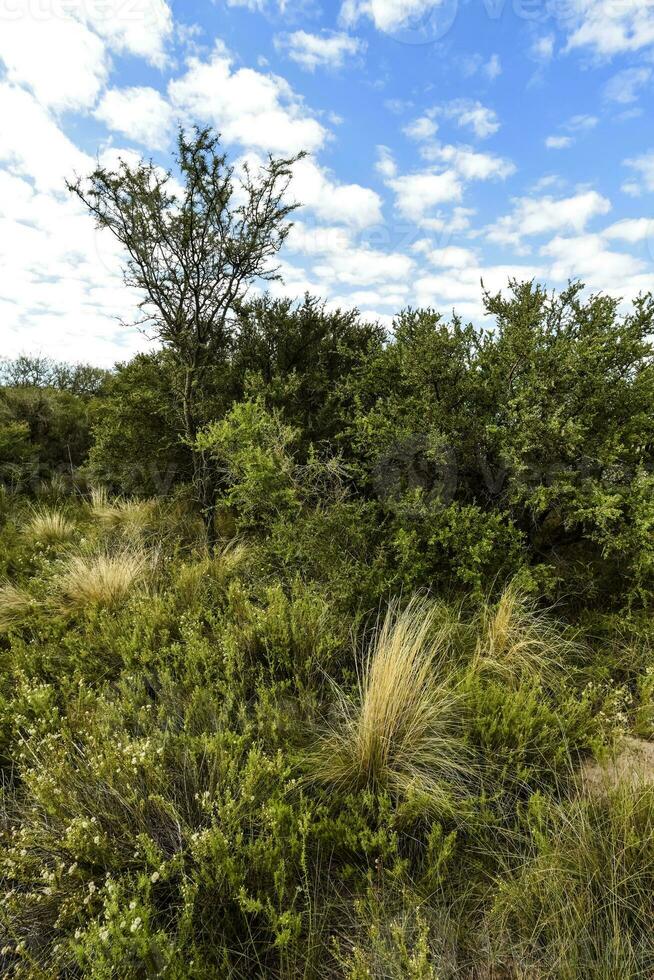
(49, 526)
(15, 605)
(129, 517)
(580, 904)
(100, 580)
(517, 640)
(401, 728)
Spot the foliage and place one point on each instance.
(345, 733)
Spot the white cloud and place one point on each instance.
(586, 257)
(609, 28)
(420, 129)
(330, 200)
(386, 15)
(581, 123)
(541, 215)
(32, 145)
(140, 27)
(643, 166)
(624, 87)
(460, 288)
(60, 59)
(385, 165)
(493, 67)
(326, 50)
(631, 230)
(337, 258)
(256, 110)
(471, 164)
(452, 257)
(140, 113)
(416, 194)
(542, 48)
(61, 288)
(472, 115)
(558, 142)
(465, 113)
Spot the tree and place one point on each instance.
(192, 252)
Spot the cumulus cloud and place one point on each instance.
(631, 230)
(331, 200)
(469, 163)
(386, 15)
(63, 62)
(61, 288)
(249, 107)
(586, 257)
(327, 50)
(140, 113)
(543, 215)
(608, 28)
(421, 128)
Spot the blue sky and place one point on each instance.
(449, 142)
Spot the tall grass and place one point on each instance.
(100, 580)
(15, 605)
(49, 526)
(131, 517)
(515, 639)
(581, 904)
(400, 730)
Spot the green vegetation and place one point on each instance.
(314, 688)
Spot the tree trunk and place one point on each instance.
(204, 491)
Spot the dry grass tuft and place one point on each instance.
(129, 517)
(401, 731)
(517, 640)
(100, 580)
(195, 577)
(49, 526)
(15, 605)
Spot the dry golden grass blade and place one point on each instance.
(515, 639)
(101, 579)
(15, 605)
(49, 526)
(401, 731)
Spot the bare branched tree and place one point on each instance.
(194, 246)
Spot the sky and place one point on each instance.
(448, 143)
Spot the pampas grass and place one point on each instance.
(400, 730)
